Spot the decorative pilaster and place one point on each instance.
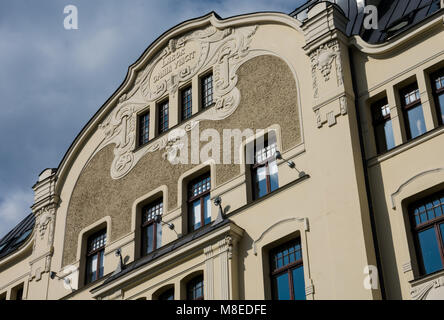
(225, 254)
(209, 273)
(326, 45)
(44, 208)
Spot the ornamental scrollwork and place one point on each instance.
(179, 61)
(421, 292)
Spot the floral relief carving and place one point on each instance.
(182, 59)
(421, 292)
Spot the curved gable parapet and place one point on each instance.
(204, 35)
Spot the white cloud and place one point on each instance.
(13, 208)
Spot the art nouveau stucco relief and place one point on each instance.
(185, 57)
(97, 194)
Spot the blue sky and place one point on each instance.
(52, 81)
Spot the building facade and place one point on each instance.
(263, 156)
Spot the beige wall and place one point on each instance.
(281, 77)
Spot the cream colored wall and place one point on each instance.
(328, 209)
(419, 160)
(14, 274)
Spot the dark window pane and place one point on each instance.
(150, 236)
(207, 91)
(441, 227)
(207, 209)
(144, 129)
(101, 262)
(282, 287)
(96, 241)
(440, 101)
(195, 289)
(415, 121)
(163, 117)
(159, 235)
(186, 103)
(429, 247)
(167, 295)
(299, 283)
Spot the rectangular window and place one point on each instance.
(413, 113)
(382, 125)
(264, 169)
(163, 116)
(427, 218)
(207, 91)
(287, 272)
(151, 229)
(438, 92)
(199, 204)
(95, 256)
(195, 289)
(144, 128)
(186, 103)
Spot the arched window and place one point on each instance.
(427, 220)
(195, 288)
(287, 271)
(167, 295)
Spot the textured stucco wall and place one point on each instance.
(268, 96)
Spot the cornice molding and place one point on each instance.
(387, 47)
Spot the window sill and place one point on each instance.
(405, 146)
(426, 278)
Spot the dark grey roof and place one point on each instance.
(17, 236)
(392, 14)
(164, 250)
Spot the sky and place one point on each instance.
(52, 80)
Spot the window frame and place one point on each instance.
(437, 92)
(435, 224)
(141, 129)
(167, 292)
(408, 106)
(201, 196)
(186, 105)
(163, 116)
(204, 89)
(380, 122)
(287, 269)
(96, 252)
(265, 163)
(191, 286)
(147, 223)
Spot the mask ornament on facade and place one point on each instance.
(182, 59)
(322, 61)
